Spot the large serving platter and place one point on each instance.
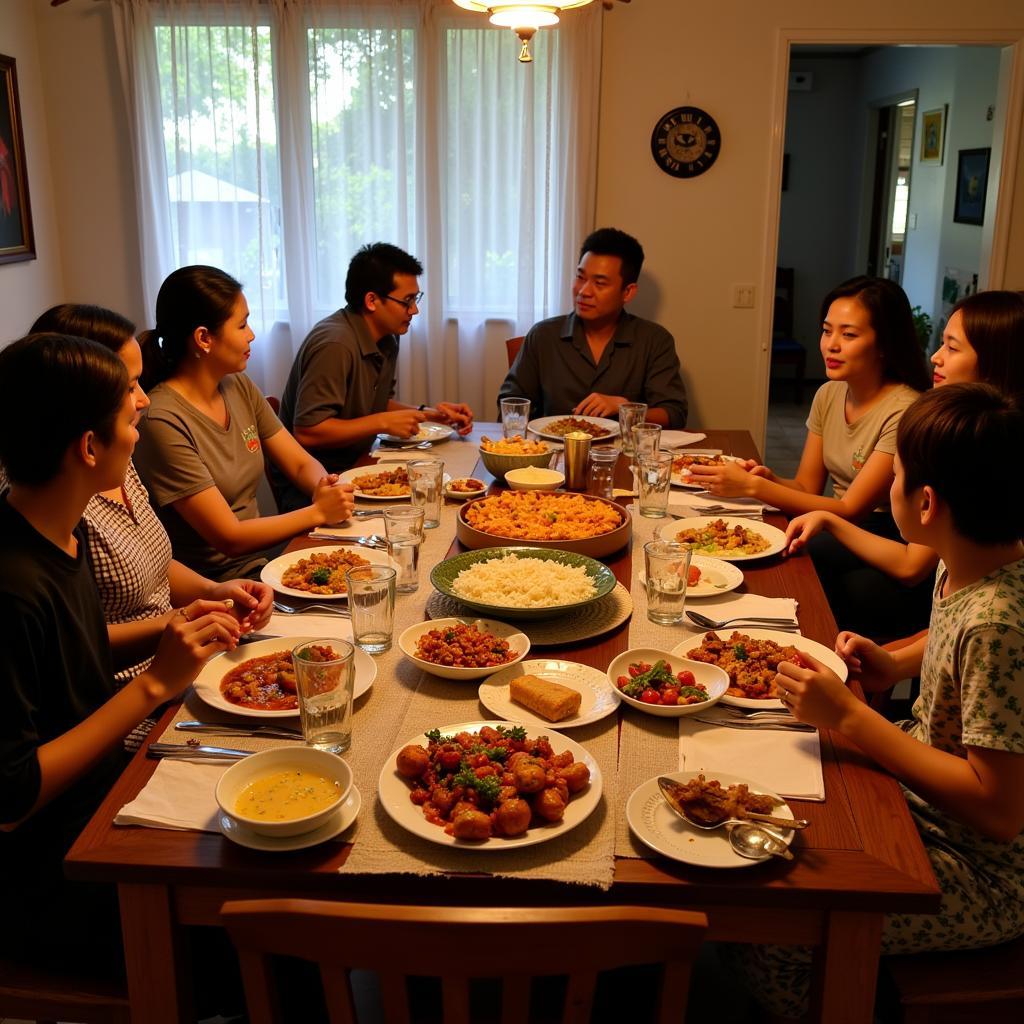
(540, 426)
(594, 547)
(442, 576)
(394, 790)
(275, 569)
(775, 537)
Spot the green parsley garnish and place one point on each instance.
(320, 577)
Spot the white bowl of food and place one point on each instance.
(679, 680)
(287, 791)
(534, 478)
(465, 487)
(456, 648)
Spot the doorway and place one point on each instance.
(890, 203)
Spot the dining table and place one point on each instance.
(860, 859)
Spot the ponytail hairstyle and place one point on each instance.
(110, 329)
(893, 323)
(86, 384)
(994, 327)
(190, 298)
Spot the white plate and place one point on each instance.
(461, 495)
(711, 677)
(716, 577)
(656, 825)
(686, 481)
(275, 569)
(207, 684)
(538, 427)
(340, 820)
(518, 642)
(394, 791)
(784, 639)
(429, 431)
(775, 537)
(600, 698)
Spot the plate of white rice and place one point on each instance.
(521, 582)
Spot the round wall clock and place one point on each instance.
(685, 142)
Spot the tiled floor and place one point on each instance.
(784, 438)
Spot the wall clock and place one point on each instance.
(685, 142)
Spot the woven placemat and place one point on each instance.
(592, 620)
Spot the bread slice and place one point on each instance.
(553, 701)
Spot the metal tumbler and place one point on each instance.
(577, 457)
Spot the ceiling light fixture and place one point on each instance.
(524, 17)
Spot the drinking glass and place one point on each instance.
(371, 600)
(654, 476)
(602, 471)
(646, 439)
(667, 566)
(404, 530)
(324, 686)
(631, 414)
(426, 477)
(515, 414)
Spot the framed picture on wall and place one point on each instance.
(971, 186)
(933, 135)
(16, 239)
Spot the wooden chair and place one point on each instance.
(786, 350)
(512, 347)
(37, 993)
(457, 944)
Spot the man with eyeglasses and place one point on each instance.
(341, 388)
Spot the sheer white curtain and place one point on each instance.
(274, 138)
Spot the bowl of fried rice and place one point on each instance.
(508, 453)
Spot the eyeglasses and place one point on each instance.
(408, 303)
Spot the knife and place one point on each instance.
(196, 752)
(273, 731)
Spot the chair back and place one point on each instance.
(512, 347)
(459, 944)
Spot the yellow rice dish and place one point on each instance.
(539, 515)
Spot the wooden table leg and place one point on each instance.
(846, 969)
(159, 988)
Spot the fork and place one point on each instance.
(375, 540)
(330, 609)
(748, 620)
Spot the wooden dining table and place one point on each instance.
(860, 859)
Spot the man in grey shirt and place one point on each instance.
(340, 391)
(589, 362)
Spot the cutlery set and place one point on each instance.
(749, 621)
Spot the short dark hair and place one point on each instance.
(956, 435)
(613, 242)
(994, 327)
(190, 297)
(373, 269)
(86, 384)
(84, 321)
(893, 323)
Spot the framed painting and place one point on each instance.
(933, 135)
(971, 186)
(16, 239)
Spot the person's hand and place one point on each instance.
(456, 414)
(871, 665)
(729, 480)
(802, 529)
(815, 694)
(400, 422)
(253, 602)
(596, 404)
(332, 500)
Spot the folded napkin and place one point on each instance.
(788, 763)
(180, 795)
(675, 438)
(691, 503)
(349, 528)
(732, 605)
(310, 624)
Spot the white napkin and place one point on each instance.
(675, 438)
(684, 502)
(732, 605)
(325, 626)
(180, 795)
(788, 763)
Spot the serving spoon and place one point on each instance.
(668, 789)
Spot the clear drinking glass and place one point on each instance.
(324, 686)
(646, 439)
(515, 414)
(667, 567)
(404, 530)
(602, 471)
(371, 600)
(426, 479)
(631, 414)
(654, 478)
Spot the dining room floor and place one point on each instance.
(786, 428)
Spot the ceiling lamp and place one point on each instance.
(524, 17)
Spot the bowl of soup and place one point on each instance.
(285, 791)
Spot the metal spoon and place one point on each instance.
(668, 789)
(757, 843)
(706, 623)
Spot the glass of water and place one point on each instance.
(631, 414)
(602, 471)
(667, 567)
(426, 478)
(515, 414)
(404, 530)
(324, 683)
(371, 600)
(646, 439)
(654, 478)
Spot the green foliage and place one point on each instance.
(922, 326)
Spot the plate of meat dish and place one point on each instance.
(682, 462)
(258, 680)
(319, 572)
(730, 538)
(554, 428)
(710, 797)
(751, 658)
(380, 484)
(487, 786)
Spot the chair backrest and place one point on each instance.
(512, 347)
(456, 945)
(275, 403)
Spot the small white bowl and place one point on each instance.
(266, 762)
(711, 677)
(519, 644)
(477, 492)
(548, 479)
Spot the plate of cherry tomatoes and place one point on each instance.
(664, 684)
